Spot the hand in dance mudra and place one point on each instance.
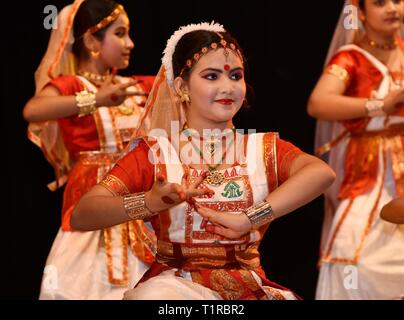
(164, 195)
(229, 225)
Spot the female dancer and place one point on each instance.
(82, 117)
(362, 92)
(209, 191)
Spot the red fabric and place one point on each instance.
(136, 164)
(250, 293)
(362, 154)
(361, 167)
(285, 154)
(135, 169)
(79, 134)
(364, 77)
(145, 81)
(137, 173)
(81, 179)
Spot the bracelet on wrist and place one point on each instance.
(135, 206)
(374, 108)
(85, 102)
(260, 214)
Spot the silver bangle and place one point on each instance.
(260, 214)
(135, 206)
(374, 108)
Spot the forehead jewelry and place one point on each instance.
(214, 176)
(226, 67)
(224, 45)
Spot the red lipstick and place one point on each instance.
(226, 102)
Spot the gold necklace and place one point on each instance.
(387, 46)
(94, 76)
(123, 109)
(214, 177)
(213, 141)
(126, 110)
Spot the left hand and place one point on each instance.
(229, 225)
(164, 195)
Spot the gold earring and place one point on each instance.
(185, 97)
(95, 54)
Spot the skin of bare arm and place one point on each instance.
(48, 104)
(327, 102)
(394, 211)
(99, 208)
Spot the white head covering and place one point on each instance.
(163, 106)
(349, 30)
(57, 60)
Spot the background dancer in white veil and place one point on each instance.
(359, 103)
(82, 116)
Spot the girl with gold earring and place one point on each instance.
(210, 211)
(82, 116)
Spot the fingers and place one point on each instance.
(238, 224)
(192, 189)
(184, 180)
(135, 93)
(198, 181)
(128, 84)
(220, 230)
(199, 192)
(160, 178)
(176, 188)
(205, 212)
(204, 223)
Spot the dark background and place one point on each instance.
(285, 43)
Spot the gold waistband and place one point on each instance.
(98, 157)
(192, 256)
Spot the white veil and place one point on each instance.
(57, 60)
(349, 30)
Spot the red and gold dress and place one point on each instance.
(362, 256)
(100, 264)
(190, 262)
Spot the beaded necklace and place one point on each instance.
(214, 177)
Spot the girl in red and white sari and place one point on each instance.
(361, 94)
(208, 190)
(82, 117)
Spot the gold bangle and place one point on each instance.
(135, 206)
(260, 214)
(85, 102)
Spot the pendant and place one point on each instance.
(126, 110)
(210, 146)
(215, 178)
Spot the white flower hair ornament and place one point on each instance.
(167, 59)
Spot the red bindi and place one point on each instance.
(226, 67)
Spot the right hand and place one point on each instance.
(164, 195)
(394, 101)
(112, 93)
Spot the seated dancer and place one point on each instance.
(209, 191)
